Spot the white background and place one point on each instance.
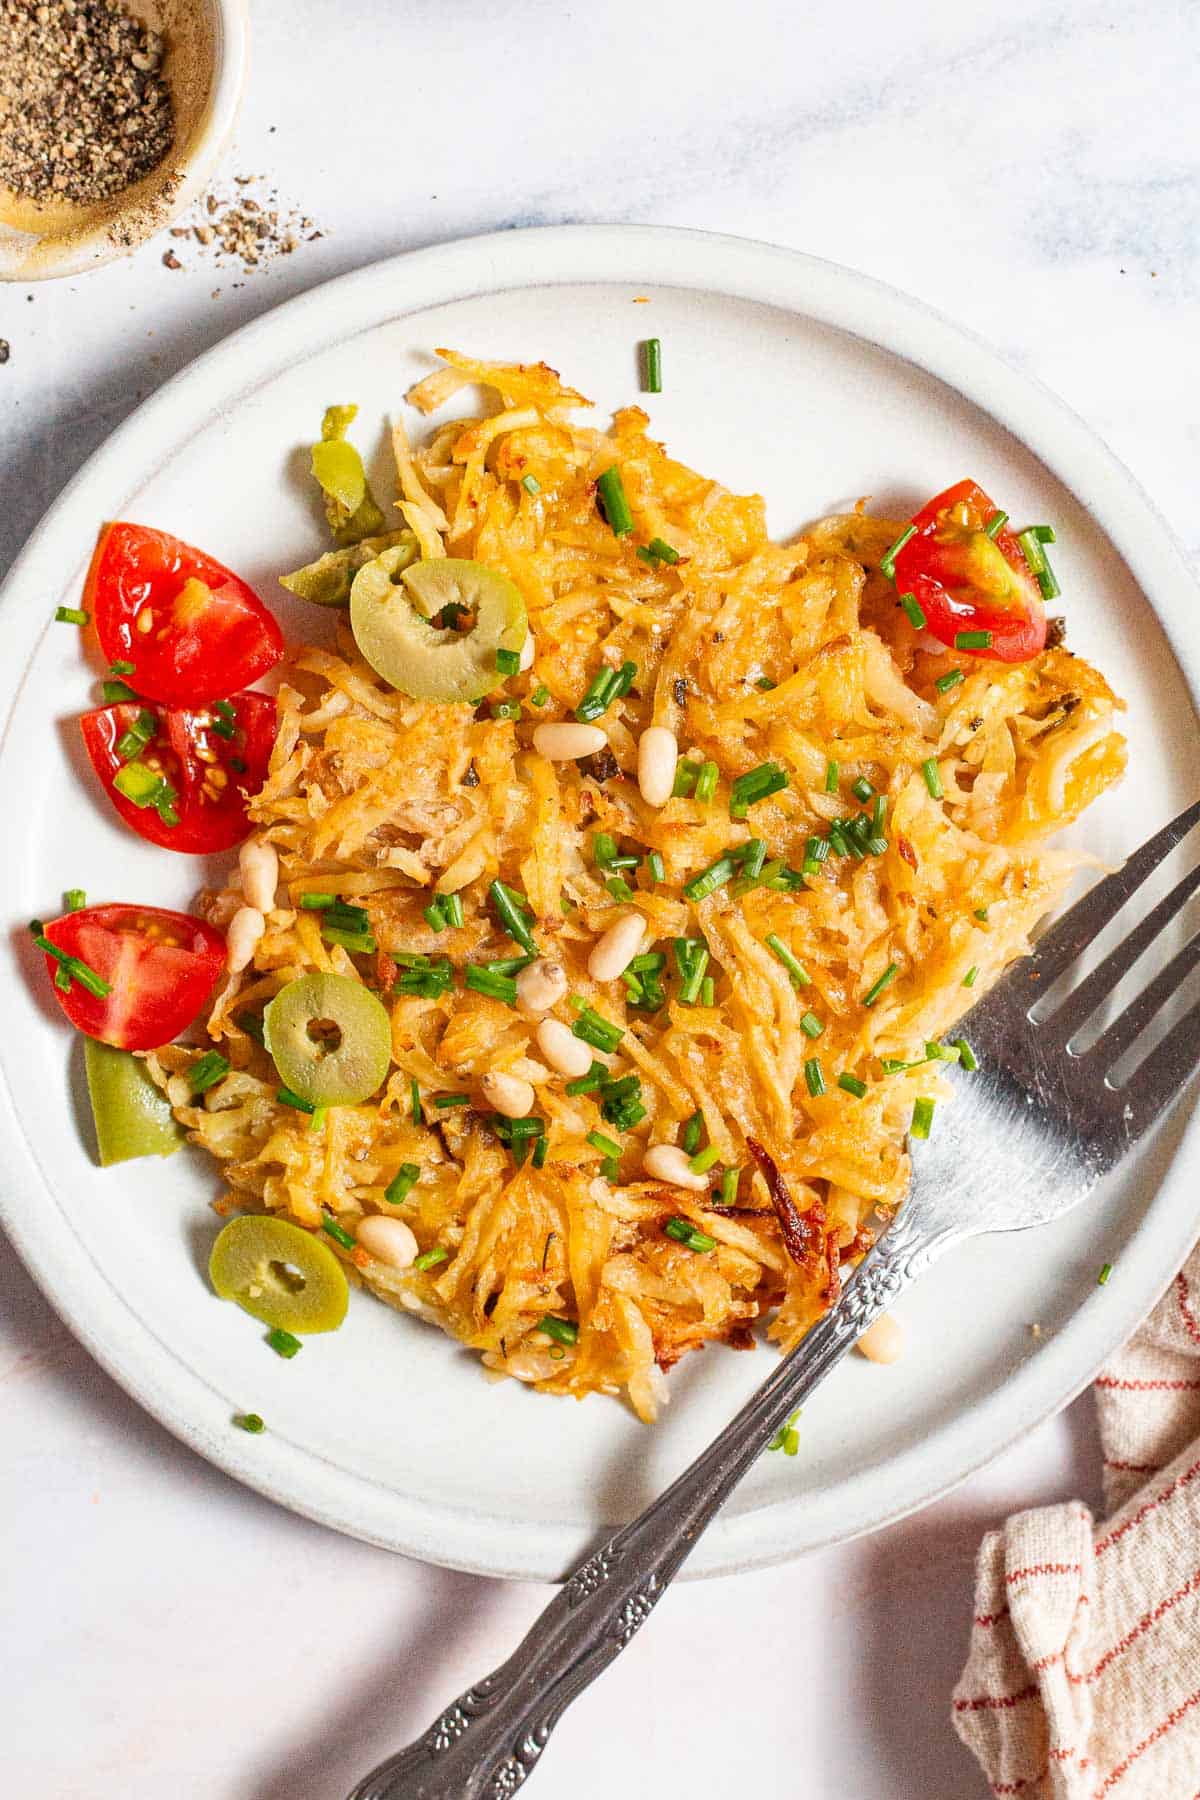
(1028, 169)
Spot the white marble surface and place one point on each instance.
(1029, 169)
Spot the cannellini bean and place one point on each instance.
(259, 867)
(658, 754)
(568, 742)
(528, 652)
(539, 987)
(562, 1049)
(617, 948)
(883, 1342)
(245, 928)
(667, 1162)
(509, 1094)
(388, 1240)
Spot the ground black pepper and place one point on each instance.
(84, 109)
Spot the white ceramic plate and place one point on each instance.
(782, 374)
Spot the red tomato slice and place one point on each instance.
(210, 775)
(192, 629)
(966, 581)
(160, 967)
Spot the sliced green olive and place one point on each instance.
(331, 1039)
(349, 503)
(133, 1117)
(390, 620)
(327, 581)
(279, 1273)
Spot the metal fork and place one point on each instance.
(1027, 1137)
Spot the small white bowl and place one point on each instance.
(208, 48)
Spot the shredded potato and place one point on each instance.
(749, 651)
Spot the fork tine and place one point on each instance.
(1156, 1081)
(1129, 1025)
(1083, 1000)
(1087, 918)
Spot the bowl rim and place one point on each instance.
(28, 257)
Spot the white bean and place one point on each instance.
(259, 867)
(245, 928)
(528, 652)
(612, 955)
(658, 754)
(883, 1342)
(511, 1095)
(568, 742)
(667, 1162)
(562, 1049)
(539, 987)
(388, 1240)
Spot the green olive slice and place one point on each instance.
(326, 582)
(390, 621)
(279, 1273)
(331, 1039)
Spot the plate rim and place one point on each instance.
(626, 256)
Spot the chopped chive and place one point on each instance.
(1102, 1278)
(283, 1343)
(251, 1422)
(708, 991)
(661, 551)
(122, 668)
(75, 967)
(452, 906)
(995, 525)
(563, 1331)
(765, 685)
(610, 492)
(831, 776)
(757, 784)
(852, 1085)
(887, 562)
(251, 1024)
(74, 900)
(508, 904)
(879, 815)
(619, 888)
(703, 1161)
(652, 366)
(811, 1026)
(332, 1229)
(434, 916)
(913, 612)
(429, 1259)
(862, 790)
(710, 879)
(981, 913)
(1044, 534)
(508, 662)
(540, 695)
(604, 1145)
(729, 1186)
(531, 484)
(117, 692)
(595, 1078)
(359, 943)
(317, 902)
(787, 1438)
(591, 1029)
(540, 1151)
(1031, 549)
(484, 980)
(876, 988)
(814, 1076)
(689, 1235)
(966, 1056)
(414, 1100)
(933, 778)
(62, 977)
(754, 856)
(922, 1118)
(692, 1129)
(973, 640)
(132, 742)
(286, 1097)
(646, 555)
(691, 959)
(506, 709)
(71, 615)
(650, 960)
(941, 1052)
(949, 680)
(686, 771)
(791, 963)
(598, 695)
(706, 782)
(206, 1071)
(604, 848)
(444, 1102)
(968, 979)
(655, 867)
(402, 1183)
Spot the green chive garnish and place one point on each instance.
(706, 782)
(531, 484)
(708, 991)
(950, 679)
(121, 668)
(710, 879)
(966, 1056)
(332, 1229)
(604, 1145)
(652, 366)
(852, 1085)
(811, 1026)
(508, 662)
(414, 1092)
(283, 1343)
(591, 1029)
(922, 1118)
(757, 784)
(74, 900)
(508, 904)
(876, 988)
(206, 1071)
(117, 693)
(316, 902)
(661, 551)
(995, 525)
(619, 888)
(71, 615)
(402, 1183)
(483, 980)
(429, 1259)
(452, 906)
(791, 963)
(434, 916)
(814, 1076)
(655, 867)
(445, 1101)
(689, 1235)
(765, 685)
(729, 1186)
(887, 562)
(968, 979)
(251, 1422)
(72, 966)
(692, 1129)
(1102, 1278)
(933, 778)
(787, 1438)
(912, 609)
(286, 1097)
(981, 913)
(610, 492)
(831, 777)
(539, 696)
(703, 1161)
(973, 640)
(563, 1331)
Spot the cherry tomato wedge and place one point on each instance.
(159, 968)
(192, 629)
(208, 761)
(969, 580)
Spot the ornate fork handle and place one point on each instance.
(485, 1745)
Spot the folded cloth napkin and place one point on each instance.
(1083, 1678)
